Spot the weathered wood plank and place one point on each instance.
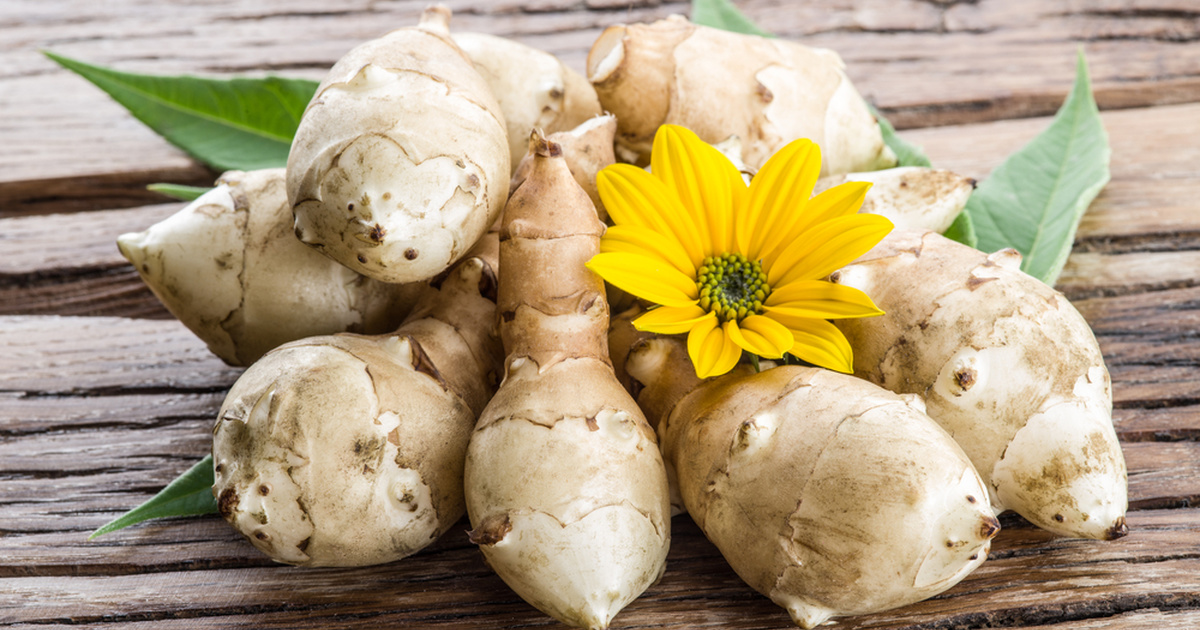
(921, 62)
(1062, 580)
(67, 355)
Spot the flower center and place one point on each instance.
(731, 286)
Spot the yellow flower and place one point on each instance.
(736, 267)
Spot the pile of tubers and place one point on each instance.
(424, 341)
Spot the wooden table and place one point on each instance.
(104, 398)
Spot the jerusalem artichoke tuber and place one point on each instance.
(401, 161)
(911, 197)
(565, 485)
(535, 90)
(1007, 366)
(828, 494)
(587, 149)
(767, 92)
(348, 450)
(230, 268)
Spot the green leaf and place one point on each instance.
(907, 153)
(962, 230)
(229, 124)
(189, 495)
(1034, 200)
(724, 15)
(179, 191)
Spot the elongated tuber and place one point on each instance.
(401, 161)
(768, 92)
(565, 485)
(912, 197)
(587, 149)
(535, 90)
(229, 267)
(1007, 366)
(828, 494)
(348, 450)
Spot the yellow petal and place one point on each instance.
(778, 194)
(839, 201)
(821, 343)
(636, 239)
(820, 300)
(705, 181)
(646, 277)
(826, 247)
(634, 197)
(670, 320)
(713, 353)
(762, 336)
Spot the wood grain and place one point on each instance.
(923, 63)
(103, 399)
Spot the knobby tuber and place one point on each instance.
(535, 90)
(827, 494)
(1007, 366)
(768, 92)
(230, 269)
(348, 450)
(912, 197)
(587, 148)
(401, 161)
(565, 484)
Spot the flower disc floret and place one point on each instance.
(732, 287)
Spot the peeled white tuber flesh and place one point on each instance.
(828, 494)
(230, 269)
(912, 197)
(767, 92)
(535, 90)
(401, 160)
(348, 450)
(1007, 366)
(565, 486)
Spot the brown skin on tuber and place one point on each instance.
(587, 149)
(826, 493)
(348, 450)
(565, 485)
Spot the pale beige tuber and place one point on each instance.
(1007, 366)
(348, 450)
(565, 486)
(912, 197)
(827, 494)
(535, 90)
(401, 161)
(767, 92)
(230, 269)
